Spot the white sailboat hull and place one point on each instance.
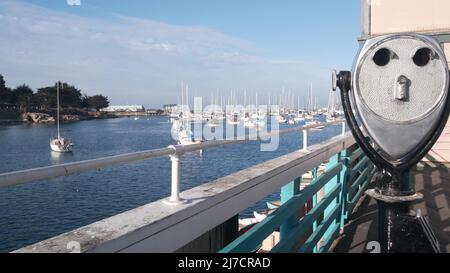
(61, 145)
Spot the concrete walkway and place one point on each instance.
(432, 179)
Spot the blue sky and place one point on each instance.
(139, 51)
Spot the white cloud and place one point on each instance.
(74, 2)
(138, 61)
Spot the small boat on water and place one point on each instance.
(214, 122)
(258, 216)
(249, 124)
(299, 118)
(260, 121)
(185, 135)
(234, 119)
(186, 138)
(281, 119)
(60, 144)
(315, 122)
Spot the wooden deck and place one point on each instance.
(441, 150)
(433, 181)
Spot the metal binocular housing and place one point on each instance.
(398, 91)
(396, 102)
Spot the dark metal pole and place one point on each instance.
(394, 196)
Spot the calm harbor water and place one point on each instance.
(37, 211)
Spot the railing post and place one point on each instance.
(345, 177)
(174, 198)
(287, 192)
(334, 160)
(315, 199)
(343, 128)
(305, 140)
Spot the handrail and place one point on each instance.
(49, 172)
(250, 240)
(313, 229)
(41, 173)
(157, 228)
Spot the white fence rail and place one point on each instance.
(158, 228)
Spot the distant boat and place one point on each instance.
(281, 119)
(249, 124)
(60, 144)
(315, 122)
(214, 122)
(186, 138)
(185, 135)
(260, 121)
(234, 120)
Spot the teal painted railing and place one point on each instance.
(309, 220)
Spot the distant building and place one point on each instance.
(124, 108)
(5, 105)
(154, 112)
(169, 108)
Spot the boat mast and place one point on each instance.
(57, 104)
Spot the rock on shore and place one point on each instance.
(37, 118)
(75, 116)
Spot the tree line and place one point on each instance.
(44, 98)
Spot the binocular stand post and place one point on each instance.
(400, 229)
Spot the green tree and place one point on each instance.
(98, 102)
(22, 96)
(45, 98)
(70, 96)
(84, 101)
(2, 81)
(5, 92)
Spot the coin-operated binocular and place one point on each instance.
(396, 102)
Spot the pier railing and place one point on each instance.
(159, 227)
(314, 227)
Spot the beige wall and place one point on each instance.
(389, 16)
(447, 52)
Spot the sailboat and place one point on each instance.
(185, 135)
(60, 144)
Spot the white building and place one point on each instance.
(124, 108)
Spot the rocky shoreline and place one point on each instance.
(44, 118)
(68, 115)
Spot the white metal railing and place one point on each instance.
(174, 151)
(156, 227)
